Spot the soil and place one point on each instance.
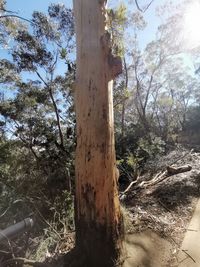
(142, 250)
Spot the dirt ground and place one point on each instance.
(166, 208)
(156, 217)
(146, 249)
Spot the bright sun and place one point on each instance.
(192, 24)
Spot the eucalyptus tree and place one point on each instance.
(39, 111)
(98, 216)
(10, 22)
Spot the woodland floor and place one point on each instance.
(167, 208)
(164, 209)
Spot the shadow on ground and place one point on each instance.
(140, 251)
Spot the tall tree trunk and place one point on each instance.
(123, 147)
(98, 217)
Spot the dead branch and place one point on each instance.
(1, 215)
(129, 187)
(123, 194)
(184, 251)
(164, 175)
(172, 170)
(189, 255)
(145, 9)
(169, 171)
(159, 177)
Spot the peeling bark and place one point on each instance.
(98, 216)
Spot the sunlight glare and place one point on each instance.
(192, 25)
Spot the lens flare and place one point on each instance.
(192, 24)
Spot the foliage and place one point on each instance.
(9, 25)
(37, 127)
(133, 163)
(154, 95)
(116, 24)
(38, 115)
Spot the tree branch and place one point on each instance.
(55, 109)
(15, 16)
(8, 11)
(145, 9)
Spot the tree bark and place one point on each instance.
(97, 208)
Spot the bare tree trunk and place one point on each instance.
(98, 216)
(123, 148)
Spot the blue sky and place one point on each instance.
(26, 7)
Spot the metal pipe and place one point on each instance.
(16, 229)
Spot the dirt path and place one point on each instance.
(146, 249)
(189, 255)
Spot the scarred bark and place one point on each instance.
(98, 216)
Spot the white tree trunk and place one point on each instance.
(98, 217)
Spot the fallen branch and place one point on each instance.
(123, 194)
(169, 171)
(153, 181)
(159, 177)
(164, 175)
(130, 185)
(184, 251)
(173, 170)
(4, 212)
(189, 255)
